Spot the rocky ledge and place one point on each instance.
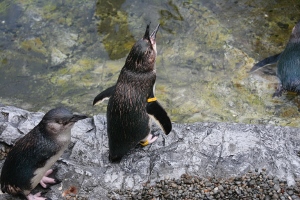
(199, 151)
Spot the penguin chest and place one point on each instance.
(40, 172)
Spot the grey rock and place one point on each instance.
(15, 122)
(57, 57)
(201, 149)
(9, 134)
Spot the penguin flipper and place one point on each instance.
(267, 61)
(155, 110)
(106, 94)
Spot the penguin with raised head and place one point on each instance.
(288, 64)
(29, 161)
(132, 104)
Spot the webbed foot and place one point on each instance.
(148, 140)
(47, 180)
(36, 196)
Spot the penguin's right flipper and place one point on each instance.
(160, 115)
(267, 61)
(106, 94)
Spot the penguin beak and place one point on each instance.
(153, 37)
(76, 118)
(146, 35)
(153, 34)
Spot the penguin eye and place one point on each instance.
(59, 121)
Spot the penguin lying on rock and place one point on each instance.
(288, 64)
(132, 103)
(28, 162)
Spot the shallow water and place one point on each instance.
(65, 52)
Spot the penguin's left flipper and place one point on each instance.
(155, 110)
(106, 94)
(267, 61)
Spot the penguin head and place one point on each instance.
(295, 36)
(151, 38)
(143, 53)
(59, 120)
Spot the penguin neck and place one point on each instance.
(64, 138)
(61, 137)
(140, 69)
(138, 63)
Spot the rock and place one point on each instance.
(57, 57)
(204, 149)
(15, 122)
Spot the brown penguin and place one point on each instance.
(132, 103)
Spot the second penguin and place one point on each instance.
(132, 103)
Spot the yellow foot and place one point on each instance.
(144, 143)
(148, 140)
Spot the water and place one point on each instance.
(66, 52)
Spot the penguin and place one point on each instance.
(132, 104)
(28, 162)
(288, 64)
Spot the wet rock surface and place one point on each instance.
(209, 155)
(66, 52)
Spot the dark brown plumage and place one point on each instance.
(128, 113)
(33, 155)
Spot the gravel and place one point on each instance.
(253, 185)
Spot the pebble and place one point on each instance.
(252, 185)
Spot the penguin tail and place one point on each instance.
(115, 159)
(267, 61)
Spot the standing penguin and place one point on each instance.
(29, 161)
(288, 64)
(132, 101)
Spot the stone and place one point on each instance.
(228, 150)
(57, 57)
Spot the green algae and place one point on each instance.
(34, 44)
(4, 5)
(117, 38)
(205, 50)
(82, 65)
(49, 10)
(168, 16)
(4, 61)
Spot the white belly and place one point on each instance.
(40, 172)
(64, 139)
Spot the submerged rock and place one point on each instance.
(220, 150)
